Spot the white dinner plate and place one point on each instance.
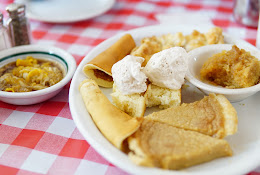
(245, 143)
(61, 11)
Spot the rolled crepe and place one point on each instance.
(99, 69)
(113, 123)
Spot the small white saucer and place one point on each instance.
(197, 58)
(62, 11)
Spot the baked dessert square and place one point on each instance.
(162, 97)
(235, 68)
(133, 104)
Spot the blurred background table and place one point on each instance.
(42, 138)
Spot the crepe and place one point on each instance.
(113, 123)
(99, 69)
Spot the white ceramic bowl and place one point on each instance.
(45, 53)
(200, 55)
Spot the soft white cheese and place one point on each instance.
(168, 68)
(128, 75)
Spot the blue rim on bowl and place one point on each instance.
(35, 52)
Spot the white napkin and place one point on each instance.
(194, 20)
(191, 18)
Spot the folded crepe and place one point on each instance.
(113, 123)
(99, 69)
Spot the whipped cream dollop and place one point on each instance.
(168, 68)
(128, 75)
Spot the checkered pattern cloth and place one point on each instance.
(42, 138)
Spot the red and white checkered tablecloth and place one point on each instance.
(42, 138)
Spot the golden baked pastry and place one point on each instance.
(162, 97)
(114, 124)
(215, 36)
(133, 104)
(154, 44)
(235, 68)
(197, 39)
(148, 47)
(99, 69)
(157, 144)
(213, 115)
(170, 40)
